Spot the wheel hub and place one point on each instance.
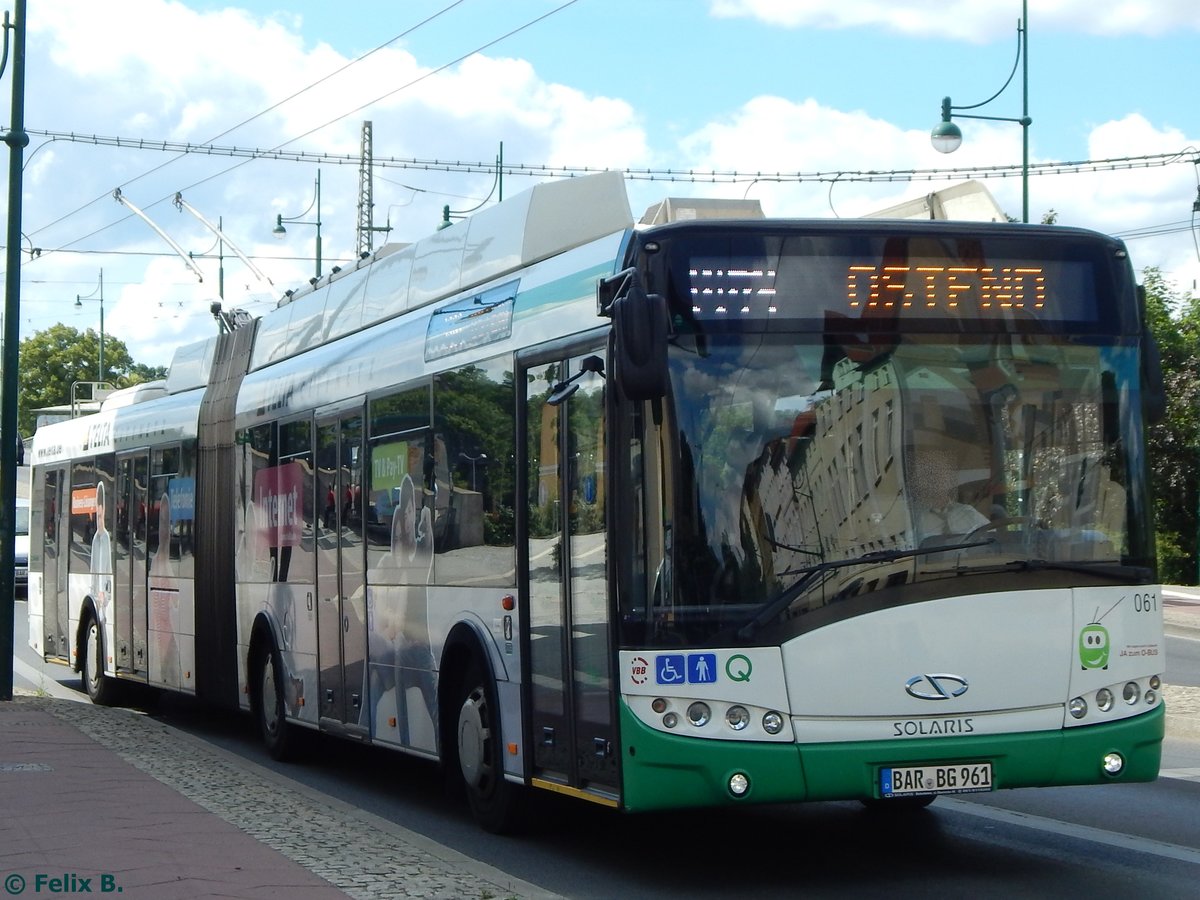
(93, 655)
(267, 697)
(471, 736)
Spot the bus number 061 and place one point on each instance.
(1145, 602)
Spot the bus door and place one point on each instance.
(565, 578)
(129, 577)
(342, 607)
(55, 550)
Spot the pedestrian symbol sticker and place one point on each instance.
(702, 668)
(669, 669)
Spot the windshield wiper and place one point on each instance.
(809, 574)
(1100, 568)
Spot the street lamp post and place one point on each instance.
(482, 457)
(279, 231)
(79, 305)
(947, 137)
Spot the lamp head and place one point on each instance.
(946, 137)
(279, 231)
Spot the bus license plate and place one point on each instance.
(961, 778)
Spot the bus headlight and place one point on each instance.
(1078, 707)
(738, 784)
(1155, 682)
(699, 714)
(1132, 693)
(737, 718)
(772, 722)
(1104, 699)
(1113, 763)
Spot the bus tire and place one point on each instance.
(101, 689)
(266, 691)
(494, 801)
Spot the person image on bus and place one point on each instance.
(403, 623)
(933, 485)
(330, 515)
(102, 561)
(164, 599)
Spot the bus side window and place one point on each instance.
(474, 473)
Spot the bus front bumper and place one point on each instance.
(666, 771)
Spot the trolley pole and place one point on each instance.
(17, 140)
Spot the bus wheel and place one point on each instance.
(100, 688)
(494, 801)
(267, 680)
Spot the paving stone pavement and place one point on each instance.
(225, 828)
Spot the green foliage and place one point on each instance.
(1174, 443)
(50, 361)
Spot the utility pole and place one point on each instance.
(17, 141)
(366, 200)
(366, 194)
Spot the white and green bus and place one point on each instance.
(700, 510)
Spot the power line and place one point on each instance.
(279, 147)
(1154, 230)
(714, 176)
(257, 115)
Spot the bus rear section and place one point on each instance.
(890, 525)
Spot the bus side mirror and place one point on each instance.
(1154, 392)
(639, 336)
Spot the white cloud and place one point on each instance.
(770, 135)
(970, 20)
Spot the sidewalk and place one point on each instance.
(109, 800)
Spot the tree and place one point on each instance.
(1174, 443)
(51, 361)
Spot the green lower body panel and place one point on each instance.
(667, 771)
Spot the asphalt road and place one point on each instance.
(1183, 660)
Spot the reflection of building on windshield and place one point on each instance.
(793, 468)
(797, 457)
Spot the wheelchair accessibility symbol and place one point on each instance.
(669, 668)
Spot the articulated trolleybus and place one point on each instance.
(705, 509)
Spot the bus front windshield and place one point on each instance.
(819, 477)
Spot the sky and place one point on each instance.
(750, 87)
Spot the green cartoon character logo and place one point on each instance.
(1093, 646)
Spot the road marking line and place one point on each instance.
(1181, 774)
(45, 682)
(1081, 832)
